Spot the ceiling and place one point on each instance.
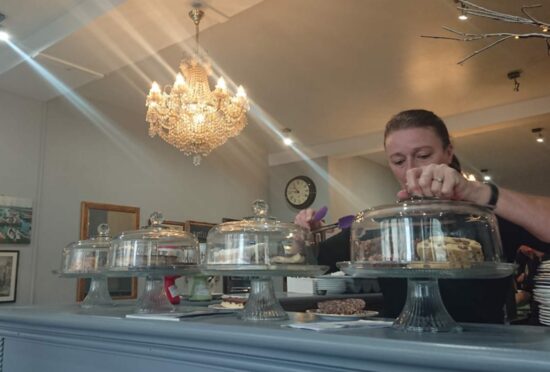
(332, 71)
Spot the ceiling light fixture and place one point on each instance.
(486, 175)
(462, 16)
(286, 137)
(4, 36)
(515, 75)
(191, 117)
(538, 134)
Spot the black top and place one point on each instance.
(466, 300)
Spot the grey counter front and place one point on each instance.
(62, 339)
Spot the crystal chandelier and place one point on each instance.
(191, 117)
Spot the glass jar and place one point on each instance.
(257, 240)
(87, 256)
(154, 246)
(426, 234)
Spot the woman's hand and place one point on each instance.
(444, 182)
(305, 219)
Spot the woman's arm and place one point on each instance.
(529, 211)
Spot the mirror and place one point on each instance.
(120, 218)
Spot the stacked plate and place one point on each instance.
(330, 284)
(542, 292)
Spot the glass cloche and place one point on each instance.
(87, 256)
(426, 234)
(424, 240)
(256, 241)
(154, 246)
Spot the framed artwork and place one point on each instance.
(199, 229)
(8, 275)
(175, 224)
(15, 220)
(120, 218)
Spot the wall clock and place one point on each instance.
(300, 192)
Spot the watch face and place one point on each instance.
(300, 192)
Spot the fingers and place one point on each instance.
(304, 219)
(437, 180)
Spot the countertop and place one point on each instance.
(62, 338)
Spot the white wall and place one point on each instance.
(109, 158)
(21, 123)
(58, 156)
(357, 184)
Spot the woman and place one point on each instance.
(421, 157)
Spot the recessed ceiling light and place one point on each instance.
(539, 137)
(286, 137)
(4, 36)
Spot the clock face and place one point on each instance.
(300, 192)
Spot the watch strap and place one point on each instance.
(494, 194)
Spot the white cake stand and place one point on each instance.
(424, 310)
(154, 298)
(98, 294)
(262, 304)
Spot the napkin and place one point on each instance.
(323, 326)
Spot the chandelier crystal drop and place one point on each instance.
(191, 117)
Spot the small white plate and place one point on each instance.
(341, 317)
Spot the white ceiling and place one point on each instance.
(332, 71)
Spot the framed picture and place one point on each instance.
(15, 220)
(175, 224)
(120, 218)
(8, 275)
(199, 229)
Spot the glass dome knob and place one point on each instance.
(260, 208)
(156, 218)
(103, 230)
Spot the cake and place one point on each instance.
(456, 252)
(294, 259)
(86, 261)
(349, 306)
(233, 301)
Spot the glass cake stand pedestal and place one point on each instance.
(154, 298)
(424, 310)
(262, 304)
(98, 294)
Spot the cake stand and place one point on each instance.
(262, 304)
(98, 294)
(424, 310)
(154, 298)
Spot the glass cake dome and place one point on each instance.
(257, 240)
(154, 246)
(87, 256)
(426, 234)
(424, 240)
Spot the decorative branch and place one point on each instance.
(469, 8)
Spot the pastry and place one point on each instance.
(348, 306)
(294, 259)
(233, 301)
(457, 252)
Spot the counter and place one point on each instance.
(68, 339)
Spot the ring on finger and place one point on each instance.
(438, 179)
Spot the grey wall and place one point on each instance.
(21, 128)
(106, 156)
(358, 184)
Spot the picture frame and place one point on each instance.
(15, 220)
(175, 224)
(9, 262)
(199, 229)
(120, 218)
